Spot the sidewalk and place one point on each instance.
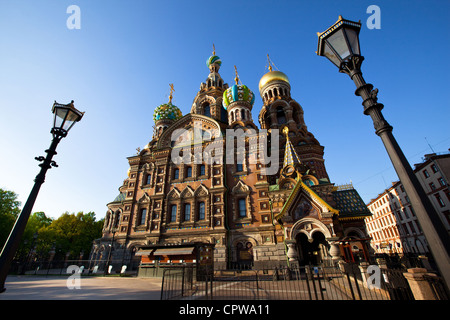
(91, 288)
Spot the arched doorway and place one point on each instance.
(311, 250)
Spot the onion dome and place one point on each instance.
(213, 60)
(237, 93)
(272, 76)
(167, 111)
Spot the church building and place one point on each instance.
(182, 189)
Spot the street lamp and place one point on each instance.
(340, 44)
(65, 116)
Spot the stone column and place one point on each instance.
(292, 250)
(335, 251)
(420, 287)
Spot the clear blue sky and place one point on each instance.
(118, 67)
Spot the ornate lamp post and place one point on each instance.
(340, 44)
(65, 116)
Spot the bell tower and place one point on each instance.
(208, 100)
(280, 110)
(238, 100)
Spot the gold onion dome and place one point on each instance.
(272, 76)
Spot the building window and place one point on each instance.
(439, 200)
(426, 174)
(149, 179)
(187, 212)
(242, 114)
(281, 118)
(202, 170)
(207, 110)
(434, 168)
(143, 216)
(173, 213)
(239, 167)
(176, 174)
(188, 172)
(242, 209)
(432, 186)
(201, 211)
(441, 182)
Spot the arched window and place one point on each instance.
(173, 213)
(281, 118)
(242, 208)
(188, 172)
(242, 114)
(143, 216)
(176, 174)
(187, 212)
(207, 110)
(149, 179)
(223, 114)
(201, 211)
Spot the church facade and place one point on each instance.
(261, 196)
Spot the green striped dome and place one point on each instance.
(213, 59)
(167, 111)
(238, 93)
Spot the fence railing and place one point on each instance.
(283, 283)
(86, 267)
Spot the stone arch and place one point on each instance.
(359, 232)
(298, 226)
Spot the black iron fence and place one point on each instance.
(84, 267)
(346, 282)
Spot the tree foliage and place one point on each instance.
(9, 210)
(70, 234)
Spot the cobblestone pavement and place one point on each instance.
(88, 288)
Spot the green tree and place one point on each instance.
(30, 237)
(9, 210)
(72, 233)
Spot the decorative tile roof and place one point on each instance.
(120, 197)
(350, 204)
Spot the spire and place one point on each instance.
(290, 156)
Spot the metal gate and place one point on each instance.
(283, 283)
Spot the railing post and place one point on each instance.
(420, 287)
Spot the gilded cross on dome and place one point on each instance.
(268, 60)
(171, 91)
(236, 79)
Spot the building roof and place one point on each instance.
(350, 204)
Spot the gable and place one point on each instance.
(302, 191)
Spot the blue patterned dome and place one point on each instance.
(167, 111)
